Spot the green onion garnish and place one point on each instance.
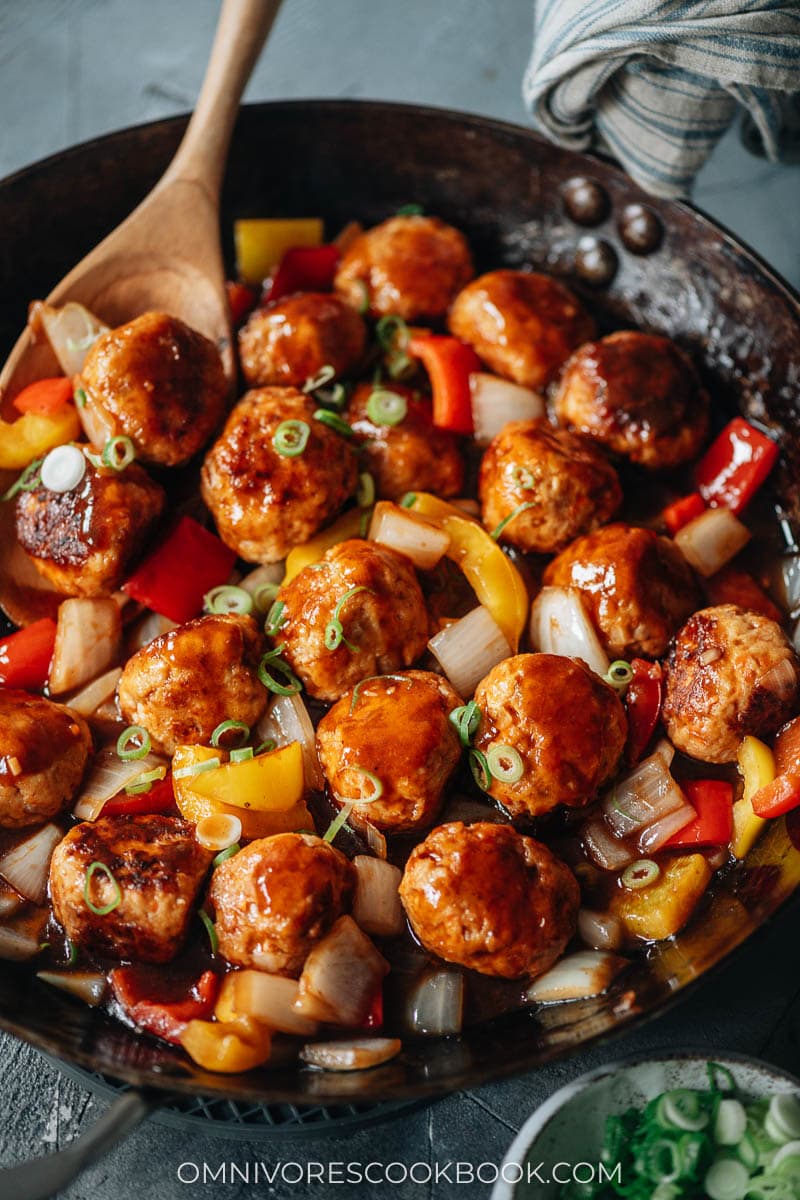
(334, 632)
(371, 679)
(337, 823)
(143, 783)
(267, 747)
(521, 477)
(264, 596)
(272, 661)
(409, 500)
(224, 855)
(213, 940)
(324, 375)
(291, 438)
(371, 778)
(364, 522)
(365, 496)
(332, 397)
(505, 763)
(28, 481)
(80, 397)
(98, 909)
(333, 421)
(392, 333)
(480, 769)
(640, 874)
(227, 598)
(275, 619)
(72, 957)
(225, 727)
(241, 754)
(619, 674)
(410, 210)
(44, 946)
(386, 408)
(466, 720)
(118, 453)
(398, 365)
(521, 508)
(127, 747)
(198, 768)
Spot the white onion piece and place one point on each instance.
(654, 836)
(21, 938)
(789, 583)
(642, 797)
(89, 986)
(150, 625)
(109, 774)
(71, 330)
(560, 624)
(780, 680)
(577, 977)
(711, 540)
(371, 835)
(496, 401)
(600, 930)
(603, 848)
(286, 720)
(89, 698)
(409, 534)
(377, 908)
(88, 636)
(468, 649)
(435, 1005)
(665, 749)
(63, 468)
(357, 1055)
(270, 999)
(26, 867)
(218, 831)
(10, 901)
(341, 976)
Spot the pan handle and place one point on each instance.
(44, 1177)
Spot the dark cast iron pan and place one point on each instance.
(522, 202)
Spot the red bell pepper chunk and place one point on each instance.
(44, 396)
(449, 364)
(374, 1018)
(643, 703)
(25, 655)
(165, 1019)
(241, 300)
(778, 797)
(735, 465)
(712, 800)
(732, 585)
(175, 577)
(160, 799)
(304, 269)
(682, 511)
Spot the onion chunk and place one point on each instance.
(357, 1055)
(436, 1003)
(377, 908)
(496, 401)
(578, 976)
(468, 649)
(712, 540)
(27, 866)
(560, 624)
(341, 976)
(88, 634)
(409, 534)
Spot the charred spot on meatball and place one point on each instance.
(289, 341)
(44, 749)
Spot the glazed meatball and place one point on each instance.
(411, 456)
(183, 684)
(409, 266)
(522, 325)
(637, 394)
(276, 898)
(83, 541)
(636, 585)
(288, 342)
(396, 728)
(44, 748)
(159, 383)
(570, 487)
(567, 726)
(151, 864)
(264, 501)
(490, 899)
(730, 672)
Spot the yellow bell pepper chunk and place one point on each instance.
(266, 783)
(226, 1046)
(349, 525)
(33, 434)
(261, 242)
(757, 767)
(255, 823)
(662, 909)
(225, 1008)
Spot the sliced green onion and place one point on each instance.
(640, 875)
(198, 768)
(241, 754)
(619, 674)
(264, 596)
(386, 408)
(224, 855)
(225, 726)
(363, 304)
(98, 909)
(333, 421)
(324, 375)
(118, 453)
(227, 598)
(410, 210)
(365, 496)
(730, 1123)
(505, 763)
(80, 398)
(275, 619)
(372, 778)
(143, 783)
(747, 1150)
(337, 823)
(334, 634)
(291, 438)
(521, 477)
(44, 946)
(784, 1113)
(392, 332)
(129, 752)
(213, 940)
(72, 956)
(333, 397)
(466, 720)
(267, 747)
(272, 661)
(364, 522)
(720, 1078)
(337, 612)
(662, 1161)
(398, 365)
(480, 769)
(521, 508)
(409, 500)
(28, 481)
(727, 1179)
(682, 1109)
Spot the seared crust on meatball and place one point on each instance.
(385, 625)
(637, 587)
(265, 502)
(410, 266)
(490, 899)
(397, 728)
(159, 383)
(276, 898)
(84, 540)
(411, 456)
(570, 486)
(730, 672)
(566, 724)
(157, 868)
(44, 748)
(183, 684)
(289, 341)
(639, 395)
(523, 325)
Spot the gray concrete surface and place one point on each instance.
(70, 69)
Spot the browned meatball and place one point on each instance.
(263, 501)
(289, 341)
(567, 726)
(522, 325)
(276, 898)
(411, 456)
(730, 672)
(152, 871)
(159, 383)
(637, 587)
(570, 487)
(381, 609)
(411, 266)
(639, 395)
(44, 748)
(393, 729)
(183, 684)
(490, 899)
(84, 540)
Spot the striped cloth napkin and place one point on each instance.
(656, 82)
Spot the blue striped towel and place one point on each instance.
(656, 83)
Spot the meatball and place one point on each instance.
(289, 341)
(393, 729)
(266, 501)
(44, 748)
(410, 266)
(569, 486)
(639, 395)
(151, 873)
(567, 726)
(183, 684)
(522, 325)
(490, 899)
(83, 541)
(159, 383)
(637, 587)
(373, 593)
(411, 456)
(276, 898)
(730, 672)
